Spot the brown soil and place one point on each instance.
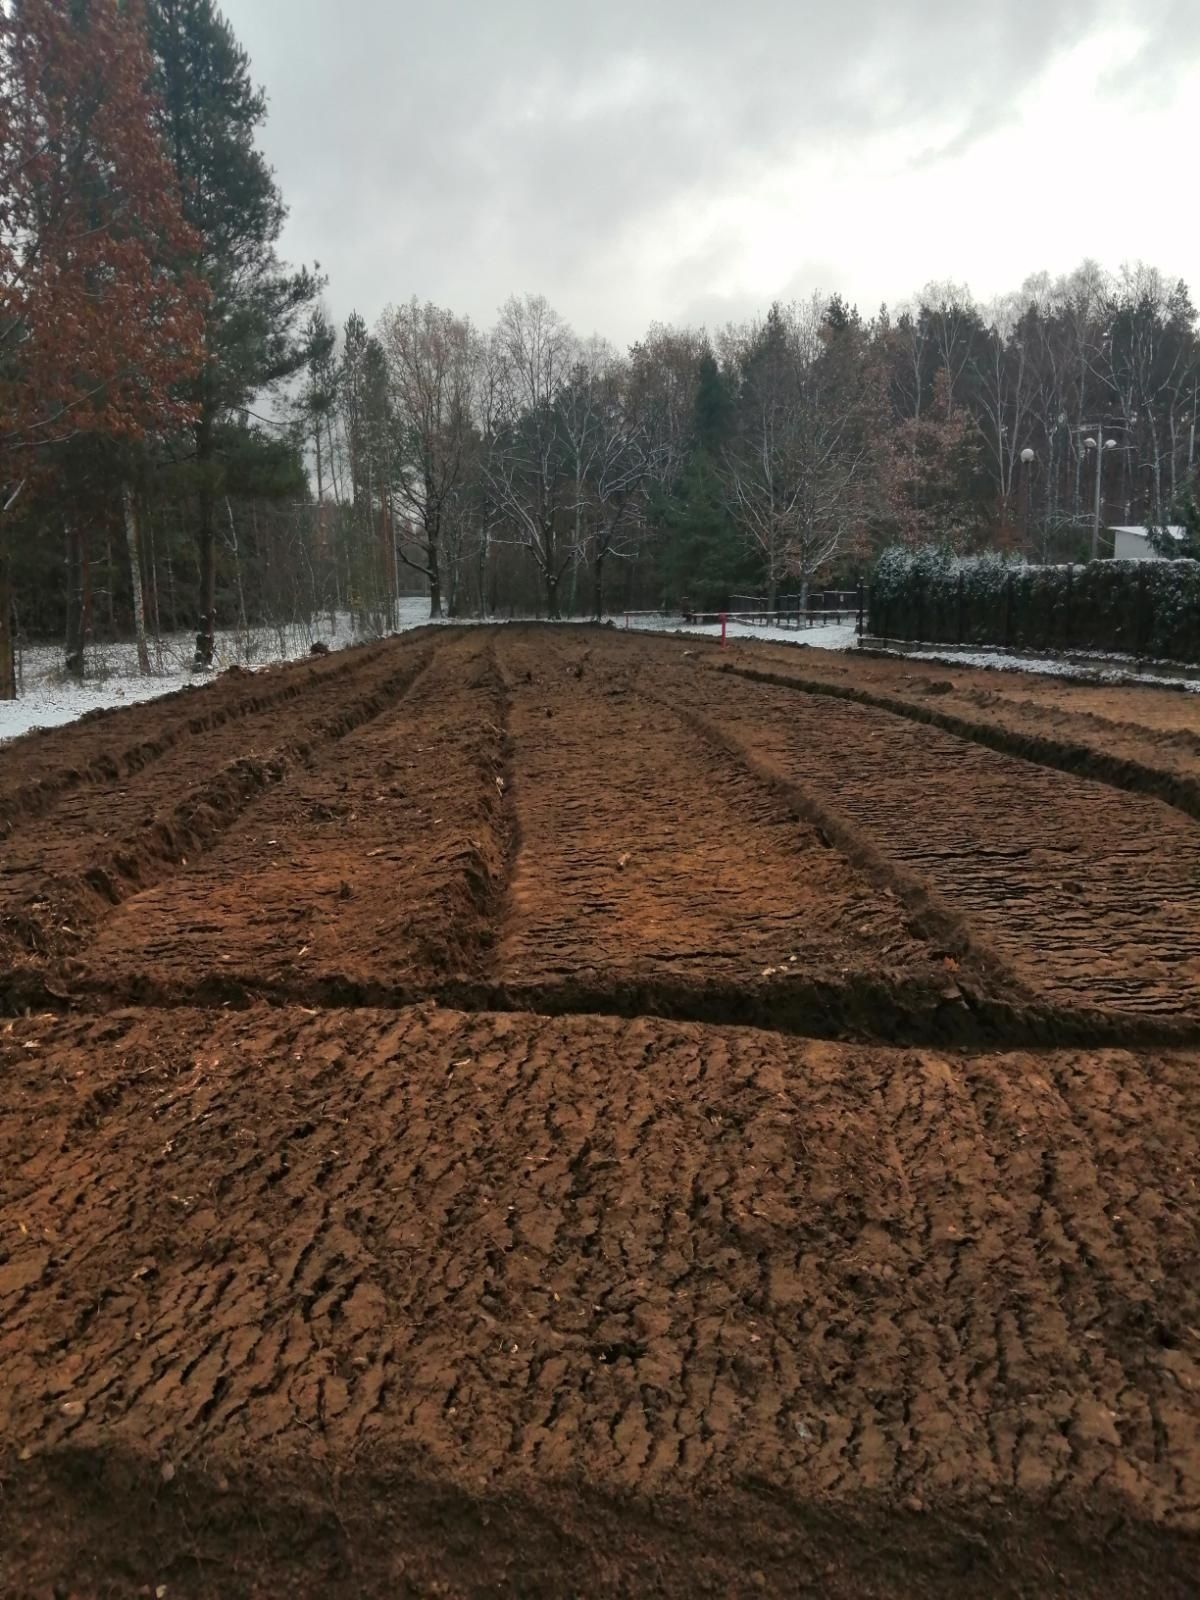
(1142, 738)
(431, 1278)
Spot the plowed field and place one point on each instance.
(543, 1112)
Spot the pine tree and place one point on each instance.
(701, 555)
(253, 333)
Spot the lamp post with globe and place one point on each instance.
(1091, 435)
(1028, 457)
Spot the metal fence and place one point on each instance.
(789, 610)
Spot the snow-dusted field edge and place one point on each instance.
(50, 700)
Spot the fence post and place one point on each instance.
(1008, 611)
(723, 621)
(962, 584)
(860, 611)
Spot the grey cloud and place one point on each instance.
(464, 150)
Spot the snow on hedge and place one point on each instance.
(1142, 608)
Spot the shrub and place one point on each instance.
(1139, 607)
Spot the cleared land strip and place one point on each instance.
(107, 754)
(654, 875)
(1165, 769)
(1091, 896)
(564, 820)
(377, 869)
(649, 1257)
(60, 876)
(1146, 737)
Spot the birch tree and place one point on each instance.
(801, 472)
(431, 368)
(529, 469)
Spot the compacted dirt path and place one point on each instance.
(394, 1199)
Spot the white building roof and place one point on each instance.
(1174, 529)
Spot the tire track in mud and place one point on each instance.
(652, 1255)
(68, 881)
(1090, 896)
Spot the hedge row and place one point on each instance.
(1149, 608)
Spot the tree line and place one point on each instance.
(525, 464)
(187, 441)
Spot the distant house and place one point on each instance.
(1133, 544)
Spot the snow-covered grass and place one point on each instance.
(822, 636)
(49, 697)
(1095, 667)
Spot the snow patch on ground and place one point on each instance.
(821, 636)
(1114, 669)
(49, 698)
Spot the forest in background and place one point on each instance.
(188, 441)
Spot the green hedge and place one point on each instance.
(1149, 608)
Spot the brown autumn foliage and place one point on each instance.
(100, 318)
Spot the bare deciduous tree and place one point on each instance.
(529, 471)
(431, 368)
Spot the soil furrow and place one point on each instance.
(587, 1122)
(55, 892)
(1089, 895)
(647, 861)
(1090, 760)
(648, 1256)
(96, 754)
(383, 862)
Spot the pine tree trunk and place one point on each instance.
(111, 571)
(135, 578)
(433, 562)
(435, 584)
(207, 550)
(8, 664)
(78, 585)
(237, 567)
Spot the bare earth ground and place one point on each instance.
(540, 1112)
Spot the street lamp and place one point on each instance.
(1028, 457)
(1091, 444)
(1094, 433)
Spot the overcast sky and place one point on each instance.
(680, 161)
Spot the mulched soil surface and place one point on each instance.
(393, 1200)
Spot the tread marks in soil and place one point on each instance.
(378, 867)
(669, 1263)
(529, 1245)
(1082, 890)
